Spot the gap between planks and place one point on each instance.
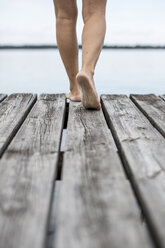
(62, 144)
(2, 97)
(85, 195)
(13, 111)
(153, 107)
(29, 164)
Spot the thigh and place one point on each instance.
(67, 8)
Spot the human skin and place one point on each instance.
(82, 86)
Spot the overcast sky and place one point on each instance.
(128, 22)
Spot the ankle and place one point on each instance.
(75, 90)
(89, 72)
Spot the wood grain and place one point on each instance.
(96, 205)
(13, 111)
(153, 107)
(27, 173)
(90, 143)
(142, 150)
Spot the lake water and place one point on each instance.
(117, 71)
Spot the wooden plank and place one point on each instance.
(2, 97)
(27, 172)
(88, 140)
(142, 149)
(13, 111)
(96, 206)
(153, 108)
(105, 215)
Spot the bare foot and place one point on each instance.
(74, 97)
(89, 95)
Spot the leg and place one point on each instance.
(66, 17)
(92, 41)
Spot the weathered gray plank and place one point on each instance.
(27, 172)
(2, 97)
(13, 111)
(142, 148)
(96, 206)
(102, 215)
(90, 143)
(153, 108)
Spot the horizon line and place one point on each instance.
(54, 46)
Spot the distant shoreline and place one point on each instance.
(80, 47)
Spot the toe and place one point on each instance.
(75, 98)
(99, 107)
(67, 95)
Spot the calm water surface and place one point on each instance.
(117, 71)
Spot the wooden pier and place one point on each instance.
(76, 178)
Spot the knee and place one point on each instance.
(97, 14)
(69, 14)
(95, 11)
